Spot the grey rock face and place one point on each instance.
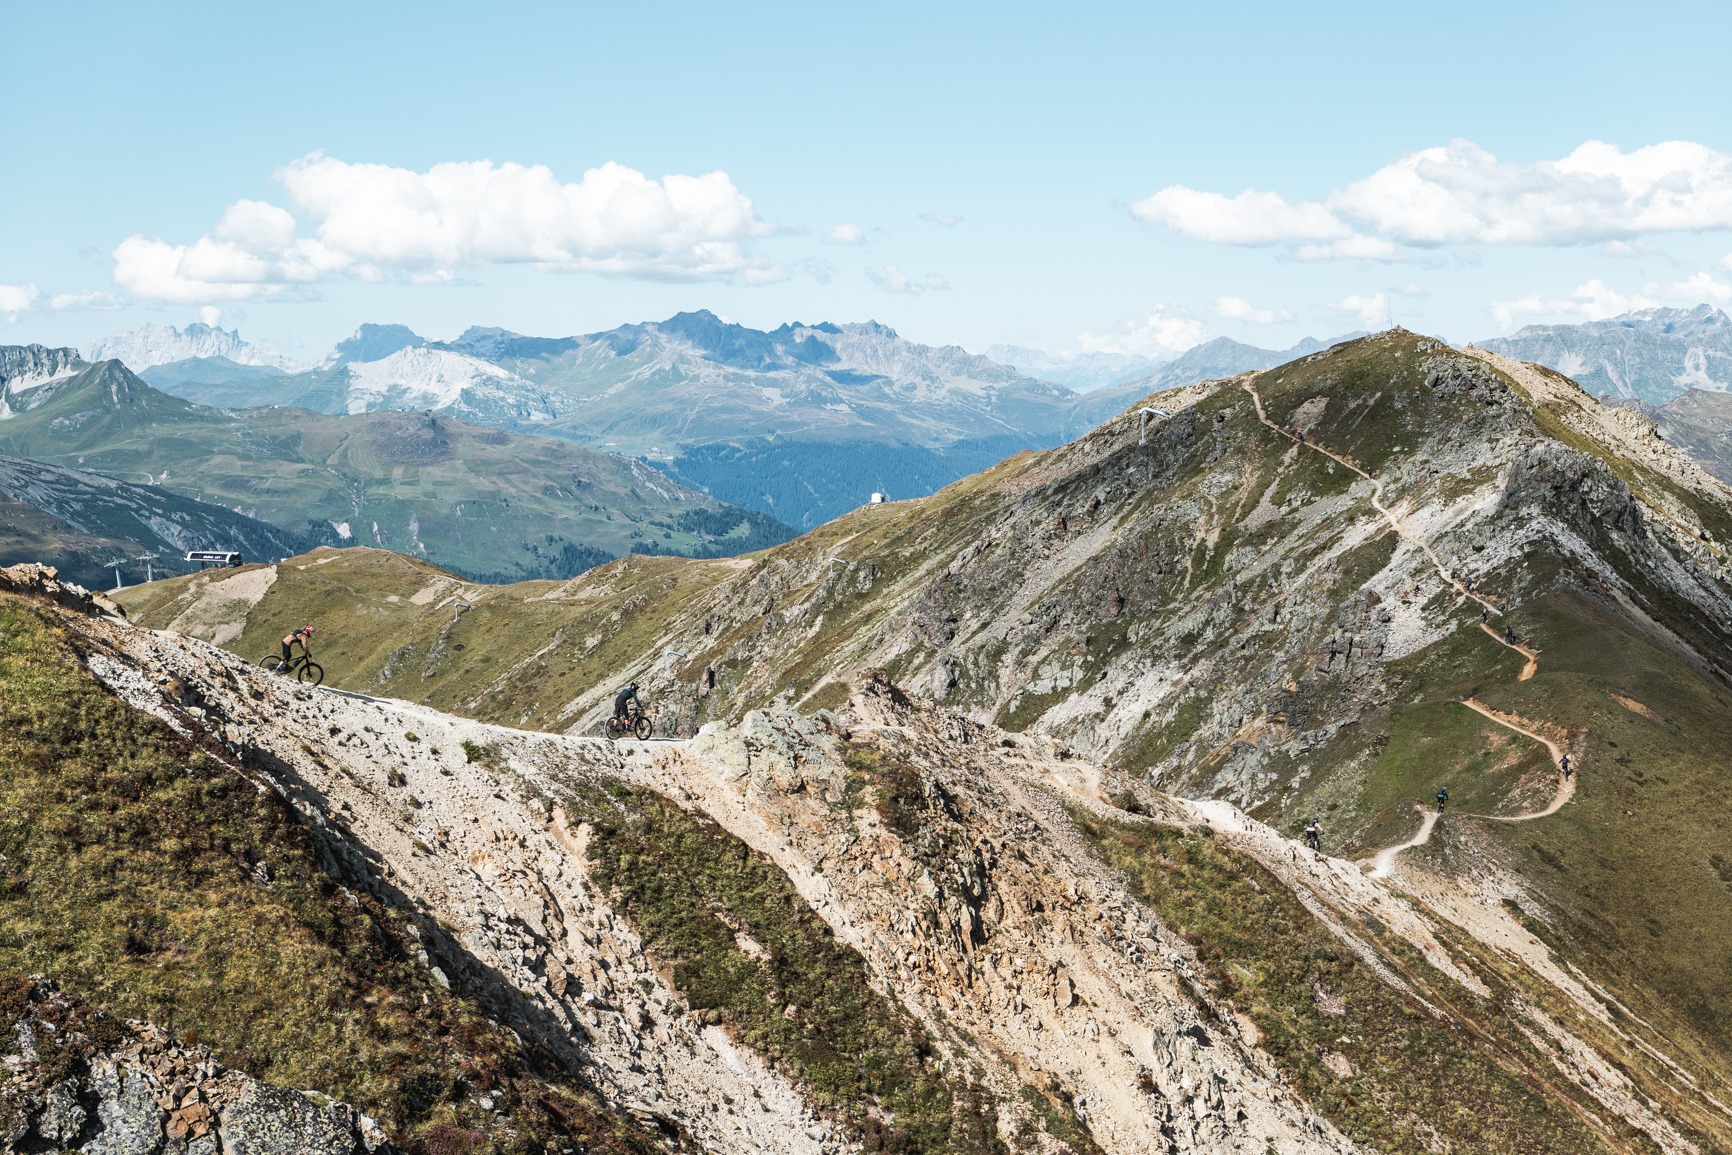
(147, 1095)
(1652, 355)
(265, 1120)
(34, 361)
(128, 1121)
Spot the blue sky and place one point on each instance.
(1068, 177)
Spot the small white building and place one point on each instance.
(877, 499)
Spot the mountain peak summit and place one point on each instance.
(151, 345)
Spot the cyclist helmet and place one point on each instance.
(633, 686)
(306, 629)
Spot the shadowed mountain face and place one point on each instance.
(90, 526)
(491, 504)
(1324, 590)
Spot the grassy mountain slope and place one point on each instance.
(950, 937)
(494, 505)
(1265, 599)
(147, 870)
(80, 522)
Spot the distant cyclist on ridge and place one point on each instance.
(302, 637)
(624, 699)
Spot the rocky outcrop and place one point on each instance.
(76, 1079)
(44, 581)
(31, 362)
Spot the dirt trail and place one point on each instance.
(1533, 656)
(1383, 862)
(1396, 522)
(1566, 782)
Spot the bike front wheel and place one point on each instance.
(643, 728)
(311, 673)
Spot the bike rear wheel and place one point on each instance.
(272, 662)
(613, 730)
(643, 727)
(311, 673)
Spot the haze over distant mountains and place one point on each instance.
(1652, 355)
(150, 345)
(491, 504)
(1079, 371)
(801, 422)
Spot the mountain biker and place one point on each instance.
(302, 637)
(626, 697)
(1442, 797)
(1314, 836)
(1564, 765)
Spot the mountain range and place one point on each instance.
(1079, 371)
(97, 530)
(801, 422)
(151, 345)
(491, 504)
(971, 821)
(1651, 355)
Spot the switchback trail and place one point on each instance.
(1383, 862)
(1533, 656)
(1566, 782)
(1396, 523)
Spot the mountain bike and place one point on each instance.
(635, 723)
(300, 667)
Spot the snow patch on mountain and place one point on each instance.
(439, 379)
(151, 345)
(27, 370)
(1651, 355)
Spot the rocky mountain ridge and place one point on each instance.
(493, 504)
(1651, 355)
(1050, 931)
(149, 345)
(1212, 360)
(1320, 591)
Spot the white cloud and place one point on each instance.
(893, 280)
(1462, 194)
(948, 220)
(87, 299)
(16, 300)
(370, 221)
(1630, 249)
(1701, 287)
(849, 234)
(1239, 309)
(1372, 311)
(1251, 218)
(1166, 330)
(1591, 301)
(211, 315)
(1349, 249)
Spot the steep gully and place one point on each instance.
(1383, 862)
